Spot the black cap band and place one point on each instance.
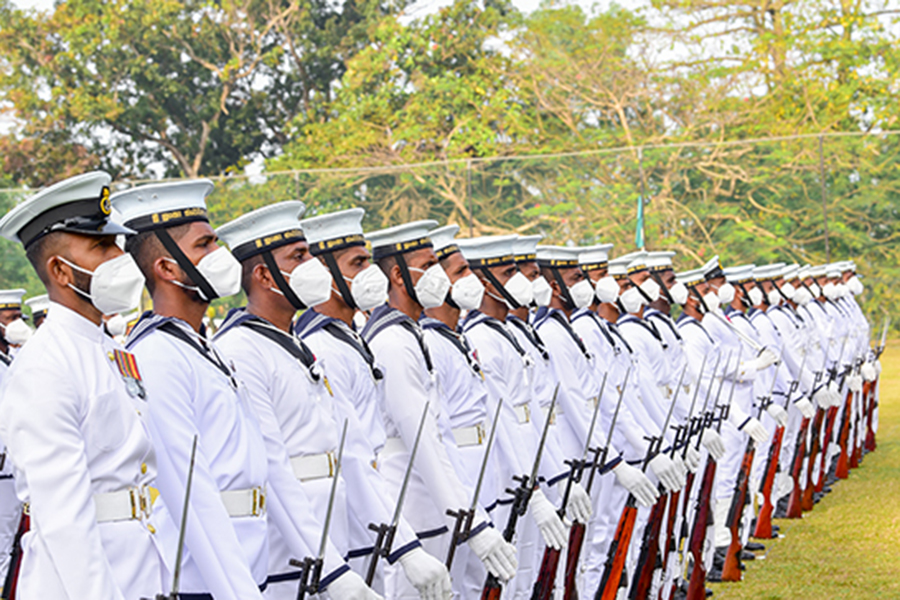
(169, 218)
(335, 244)
(401, 248)
(88, 216)
(267, 243)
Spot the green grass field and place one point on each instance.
(847, 547)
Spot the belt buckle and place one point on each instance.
(479, 430)
(134, 497)
(259, 502)
(527, 413)
(332, 463)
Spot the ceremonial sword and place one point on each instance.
(385, 537)
(311, 568)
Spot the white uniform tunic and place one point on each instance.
(10, 505)
(74, 431)
(434, 486)
(195, 392)
(301, 422)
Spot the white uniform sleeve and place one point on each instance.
(41, 417)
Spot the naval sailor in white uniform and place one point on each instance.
(72, 407)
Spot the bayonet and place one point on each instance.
(179, 552)
(598, 461)
(744, 337)
(726, 409)
(311, 568)
(385, 533)
(464, 518)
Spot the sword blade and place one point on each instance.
(409, 468)
(540, 450)
(334, 484)
(487, 453)
(587, 442)
(176, 577)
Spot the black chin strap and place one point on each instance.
(702, 308)
(645, 295)
(331, 263)
(745, 297)
(663, 288)
(407, 279)
(500, 288)
(206, 290)
(281, 282)
(567, 297)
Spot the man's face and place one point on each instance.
(456, 267)
(353, 261)
(766, 286)
(199, 241)
(596, 275)
(530, 269)
(715, 283)
(503, 273)
(846, 275)
(668, 278)
(88, 252)
(423, 259)
(291, 256)
(571, 276)
(9, 315)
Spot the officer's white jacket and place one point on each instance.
(350, 376)
(73, 431)
(300, 417)
(10, 505)
(434, 486)
(796, 345)
(224, 556)
(675, 358)
(738, 354)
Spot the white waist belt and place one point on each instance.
(313, 466)
(124, 505)
(245, 503)
(392, 445)
(523, 413)
(469, 436)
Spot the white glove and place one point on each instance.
(427, 574)
(823, 397)
(778, 414)
(637, 483)
(682, 468)
(692, 458)
(351, 586)
(854, 382)
(835, 392)
(755, 430)
(667, 472)
(766, 359)
(713, 443)
(806, 408)
(551, 526)
(868, 372)
(579, 506)
(877, 367)
(498, 556)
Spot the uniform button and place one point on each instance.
(151, 528)
(111, 356)
(144, 468)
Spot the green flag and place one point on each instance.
(639, 228)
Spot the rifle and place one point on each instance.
(731, 571)
(831, 419)
(870, 396)
(703, 519)
(543, 587)
(521, 497)
(763, 529)
(648, 559)
(618, 548)
(806, 500)
(311, 568)
(384, 538)
(463, 518)
(10, 583)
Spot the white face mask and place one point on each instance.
(815, 290)
(651, 288)
(631, 299)
(468, 292)
(756, 296)
(774, 297)
(220, 269)
(432, 287)
(607, 289)
(725, 293)
(855, 285)
(310, 282)
(830, 291)
(116, 325)
(788, 290)
(541, 291)
(520, 288)
(802, 296)
(841, 289)
(582, 293)
(17, 332)
(711, 300)
(369, 288)
(679, 293)
(116, 285)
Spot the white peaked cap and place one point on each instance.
(558, 256)
(38, 304)
(334, 231)
(834, 269)
(739, 274)
(263, 229)
(489, 250)
(525, 246)
(818, 270)
(596, 254)
(78, 204)
(713, 268)
(637, 261)
(618, 267)
(790, 272)
(765, 272)
(444, 236)
(692, 277)
(160, 205)
(660, 261)
(11, 298)
(401, 238)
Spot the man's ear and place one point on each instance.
(166, 270)
(263, 276)
(395, 277)
(59, 271)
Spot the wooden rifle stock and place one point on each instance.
(543, 587)
(576, 542)
(870, 411)
(618, 552)
(842, 470)
(830, 421)
(795, 500)
(648, 559)
(731, 571)
(669, 546)
(702, 521)
(806, 500)
(521, 496)
(763, 528)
